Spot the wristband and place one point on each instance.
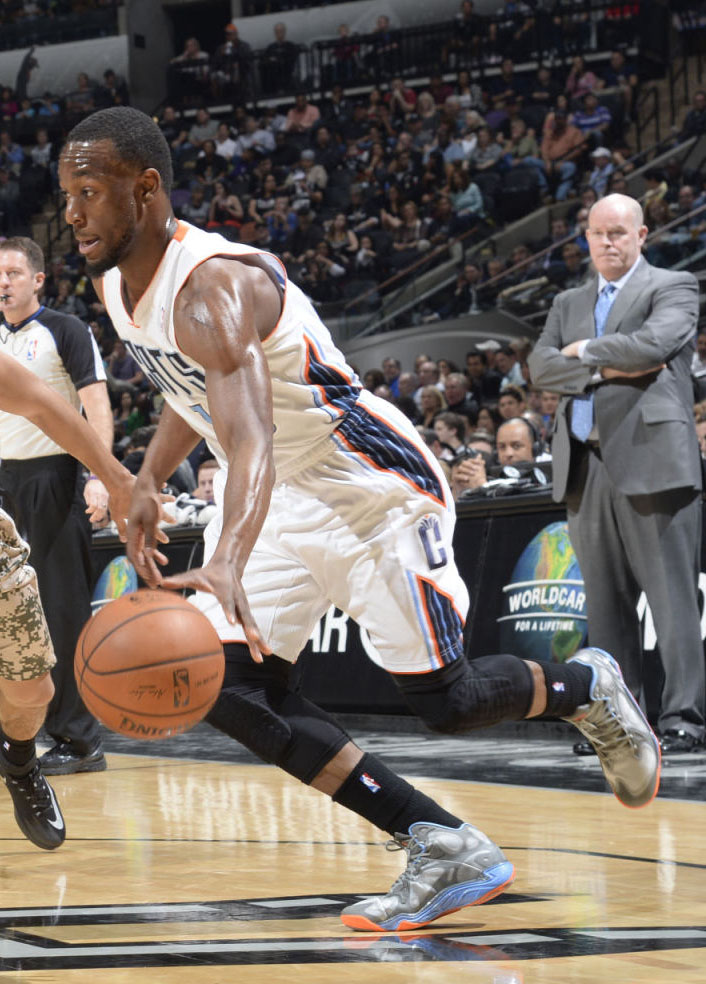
(93, 478)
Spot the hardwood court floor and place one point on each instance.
(196, 871)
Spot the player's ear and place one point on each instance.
(150, 184)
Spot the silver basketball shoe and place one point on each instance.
(448, 868)
(627, 747)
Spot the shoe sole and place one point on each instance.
(32, 838)
(72, 769)
(451, 900)
(616, 667)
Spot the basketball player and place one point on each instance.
(26, 654)
(325, 494)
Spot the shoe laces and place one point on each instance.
(33, 788)
(607, 734)
(416, 851)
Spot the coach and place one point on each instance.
(626, 456)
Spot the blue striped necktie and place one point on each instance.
(582, 406)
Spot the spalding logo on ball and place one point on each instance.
(149, 665)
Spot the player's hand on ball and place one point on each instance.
(219, 578)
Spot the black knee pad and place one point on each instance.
(468, 694)
(258, 707)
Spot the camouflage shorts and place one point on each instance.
(25, 647)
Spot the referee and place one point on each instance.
(41, 487)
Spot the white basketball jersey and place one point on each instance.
(312, 386)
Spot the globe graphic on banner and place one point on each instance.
(117, 578)
(544, 606)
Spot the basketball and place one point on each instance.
(149, 665)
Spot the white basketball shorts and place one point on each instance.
(367, 526)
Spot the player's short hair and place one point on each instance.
(209, 464)
(135, 136)
(28, 247)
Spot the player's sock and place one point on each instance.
(389, 802)
(19, 755)
(568, 687)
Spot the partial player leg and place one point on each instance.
(451, 864)
(587, 690)
(25, 691)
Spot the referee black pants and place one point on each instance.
(43, 498)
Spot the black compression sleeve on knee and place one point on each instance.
(468, 694)
(258, 707)
(568, 687)
(387, 801)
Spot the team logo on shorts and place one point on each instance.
(430, 534)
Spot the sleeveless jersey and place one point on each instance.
(312, 386)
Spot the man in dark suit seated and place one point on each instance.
(626, 456)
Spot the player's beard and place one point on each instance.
(114, 255)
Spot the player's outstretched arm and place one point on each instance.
(172, 442)
(23, 393)
(221, 314)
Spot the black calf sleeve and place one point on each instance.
(259, 709)
(469, 694)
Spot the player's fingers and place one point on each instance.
(177, 582)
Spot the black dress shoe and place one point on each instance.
(63, 760)
(584, 748)
(677, 740)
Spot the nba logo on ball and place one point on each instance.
(182, 694)
(544, 606)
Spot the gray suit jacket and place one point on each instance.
(646, 425)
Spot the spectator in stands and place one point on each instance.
(281, 222)
(345, 57)
(204, 480)
(11, 154)
(382, 53)
(66, 301)
(173, 129)
(548, 404)
(514, 443)
(468, 94)
(342, 241)
(484, 383)
(226, 146)
(431, 402)
(428, 375)
(450, 429)
(694, 124)
(575, 267)
(489, 418)
(408, 236)
(189, 73)
(48, 105)
(304, 238)
(522, 151)
(203, 129)
(602, 169)
(698, 360)
(231, 67)
(225, 212)
(302, 116)
(458, 398)
(391, 370)
(254, 137)
(465, 195)
(8, 104)
(113, 91)
(465, 40)
(11, 215)
(122, 371)
(581, 79)
(542, 93)
(505, 87)
(562, 146)
(279, 61)
(400, 100)
(196, 209)
(621, 76)
(306, 183)
(263, 199)
(508, 364)
(488, 152)
(593, 119)
(210, 167)
(511, 402)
